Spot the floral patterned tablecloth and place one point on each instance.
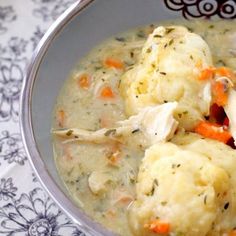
(25, 208)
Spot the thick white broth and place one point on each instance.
(112, 168)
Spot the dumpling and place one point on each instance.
(224, 157)
(170, 63)
(189, 184)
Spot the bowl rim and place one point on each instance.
(85, 223)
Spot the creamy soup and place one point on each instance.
(99, 170)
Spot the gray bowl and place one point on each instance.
(84, 25)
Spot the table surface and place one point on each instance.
(25, 208)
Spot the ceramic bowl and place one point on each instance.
(84, 25)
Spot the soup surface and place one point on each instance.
(101, 175)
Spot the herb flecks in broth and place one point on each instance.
(98, 149)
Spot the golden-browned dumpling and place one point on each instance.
(170, 63)
(191, 187)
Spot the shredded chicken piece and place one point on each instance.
(154, 124)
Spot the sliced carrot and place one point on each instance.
(61, 118)
(114, 159)
(114, 63)
(224, 71)
(206, 74)
(220, 93)
(209, 73)
(84, 81)
(158, 226)
(232, 233)
(107, 92)
(212, 131)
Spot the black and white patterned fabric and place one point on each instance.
(25, 208)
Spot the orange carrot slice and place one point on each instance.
(224, 71)
(114, 63)
(107, 93)
(206, 74)
(84, 81)
(158, 226)
(232, 233)
(213, 131)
